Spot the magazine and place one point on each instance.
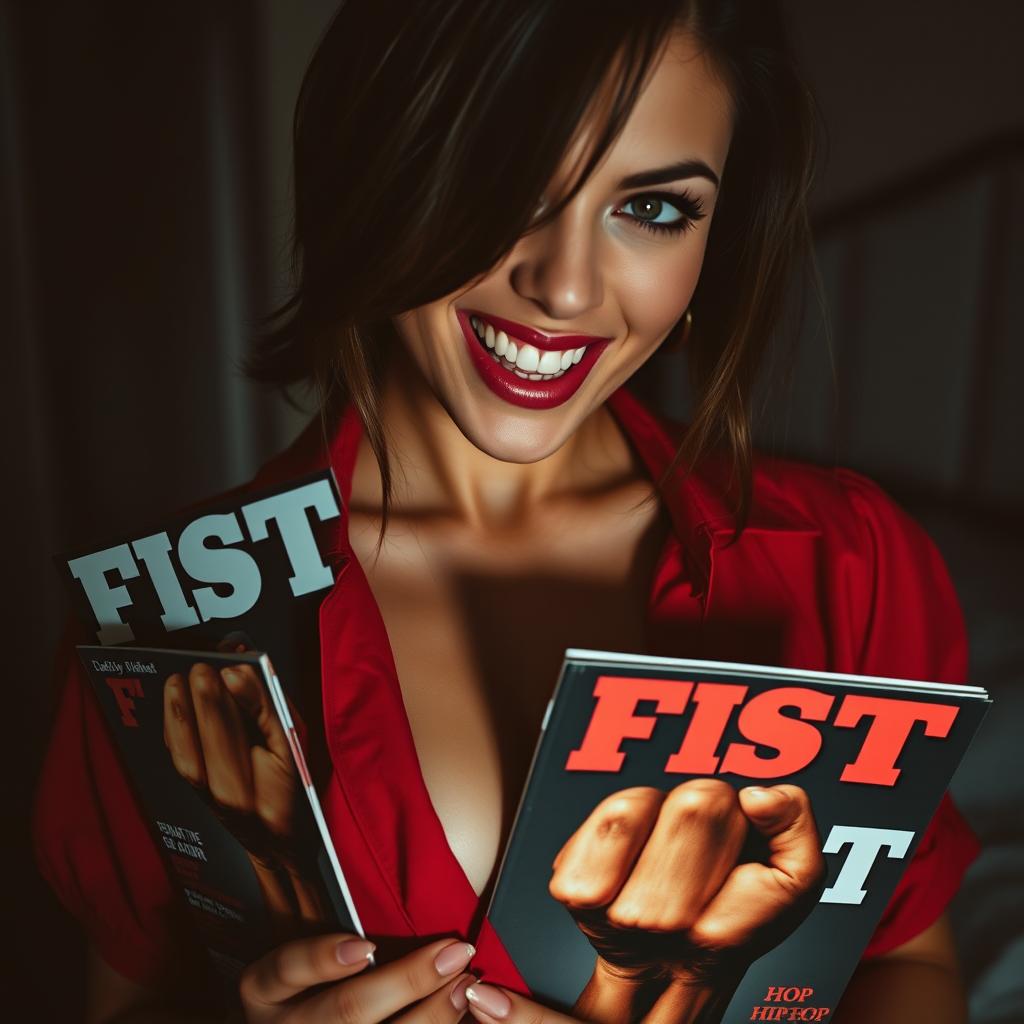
(214, 756)
(245, 571)
(713, 841)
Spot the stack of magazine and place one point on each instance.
(205, 664)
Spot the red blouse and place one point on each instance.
(829, 574)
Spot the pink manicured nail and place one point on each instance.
(351, 951)
(458, 994)
(491, 1000)
(454, 957)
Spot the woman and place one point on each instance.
(503, 211)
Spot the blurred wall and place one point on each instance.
(134, 270)
(902, 85)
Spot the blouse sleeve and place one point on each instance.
(93, 845)
(912, 629)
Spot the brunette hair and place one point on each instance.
(427, 130)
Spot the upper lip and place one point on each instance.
(546, 342)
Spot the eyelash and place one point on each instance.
(688, 205)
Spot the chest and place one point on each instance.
(478, 632)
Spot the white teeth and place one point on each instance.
(550, 362)
(530, 376)
(529, 362)
(528, 359)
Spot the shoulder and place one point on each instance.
(842, 504)
(309, 452)
(878, 569)
(854, 515)
(832, 547)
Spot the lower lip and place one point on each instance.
(527, 394)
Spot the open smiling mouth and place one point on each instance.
(535, 376)
(522, 359)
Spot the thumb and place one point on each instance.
(783, 814)
(246, 686)
(761, 899)
(771, 810)
(491, 1003)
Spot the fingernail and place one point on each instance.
(490, 999)
(351, 951)
(756, 790)
(454, 957)
(458, 993)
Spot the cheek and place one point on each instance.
(656, 285)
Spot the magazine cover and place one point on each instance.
(216, 760)
(718, 839)
(244, 572)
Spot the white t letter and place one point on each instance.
(864, 846)
(289, 509)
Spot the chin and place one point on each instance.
(516, 435)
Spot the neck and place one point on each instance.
(437, 471)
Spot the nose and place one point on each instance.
(557, 268)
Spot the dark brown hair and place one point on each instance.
(426, 132)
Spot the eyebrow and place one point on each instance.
(672, 172)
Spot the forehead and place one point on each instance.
(685, 111)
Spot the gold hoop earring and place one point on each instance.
(677, 343)
(687, 326)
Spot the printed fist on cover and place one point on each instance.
(225, 739)
(655, 882)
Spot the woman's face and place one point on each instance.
(580, 303)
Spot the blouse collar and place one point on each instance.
(702, 520)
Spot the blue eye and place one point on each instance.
(664, 211)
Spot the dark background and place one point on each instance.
(144, 209)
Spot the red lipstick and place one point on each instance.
(519, 391)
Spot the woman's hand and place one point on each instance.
(652, 880)
(490, 1003)
(325, 981)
